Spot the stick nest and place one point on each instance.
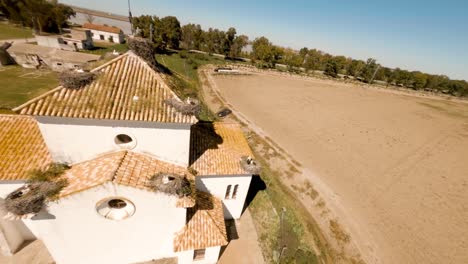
(144, 49)
(250, 165)
(75, 79)
(190, 107)
(41, 186)
(171, 184)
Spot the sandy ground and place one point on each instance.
(392, 167)
(245, 249)
(33, 253)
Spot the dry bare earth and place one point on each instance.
(393, 168)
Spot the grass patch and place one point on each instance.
(184, 79)
(299, 230)
(10, 31)
(186, 64)
(20, 85)
(103, 48)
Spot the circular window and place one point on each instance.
(117, 203)
(125, 141)
(115, 208)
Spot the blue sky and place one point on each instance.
(431, 36)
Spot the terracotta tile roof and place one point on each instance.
(124, 168)
(104, 28)
(216, 149)
(127, 89)
(22, 147)
(205, 225)
(88, 174)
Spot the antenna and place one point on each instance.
(130, 18)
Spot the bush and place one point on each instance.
(199, 56)
(183, 54)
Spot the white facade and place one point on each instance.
(107, 36)
(74, 140)
(218, 185)
(75, 233)
(211, 256)
(66, 43)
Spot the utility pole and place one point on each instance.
(375, 72)
(151, 33)
(130, 18)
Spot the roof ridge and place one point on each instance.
(114, 174)
(223, 233)
(158, 76)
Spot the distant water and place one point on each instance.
(81, 19)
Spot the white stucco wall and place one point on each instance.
(217, 185)
(211, 256)
(78, 234)
(48, 41)
(118, 38)
(73, 140)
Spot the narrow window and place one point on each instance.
(234, 193)
(228, 192)
(101, 37)
(199, 254)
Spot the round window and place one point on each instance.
(125, 141)
(115, 208)
(117, 203)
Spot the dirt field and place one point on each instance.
(392, 168)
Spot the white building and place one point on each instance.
(117, 133)
(75, 40)
(35, 56)
(105, 33)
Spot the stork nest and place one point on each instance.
(171, 184)
(76, 80)
(32, 197)
(190, 107)
(250, 165)
(143, 48)
(42, 185)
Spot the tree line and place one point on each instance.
(266, 54)
(41, 15)
(167, 33)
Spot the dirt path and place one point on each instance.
(390, 169)
(245, 249)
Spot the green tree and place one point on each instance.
(170, 31)
(332, 68)
(191, 36)
(41, 15)
(312, 60)
(239, 43)
(230, 35)
(369, 70)
(419, 80)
